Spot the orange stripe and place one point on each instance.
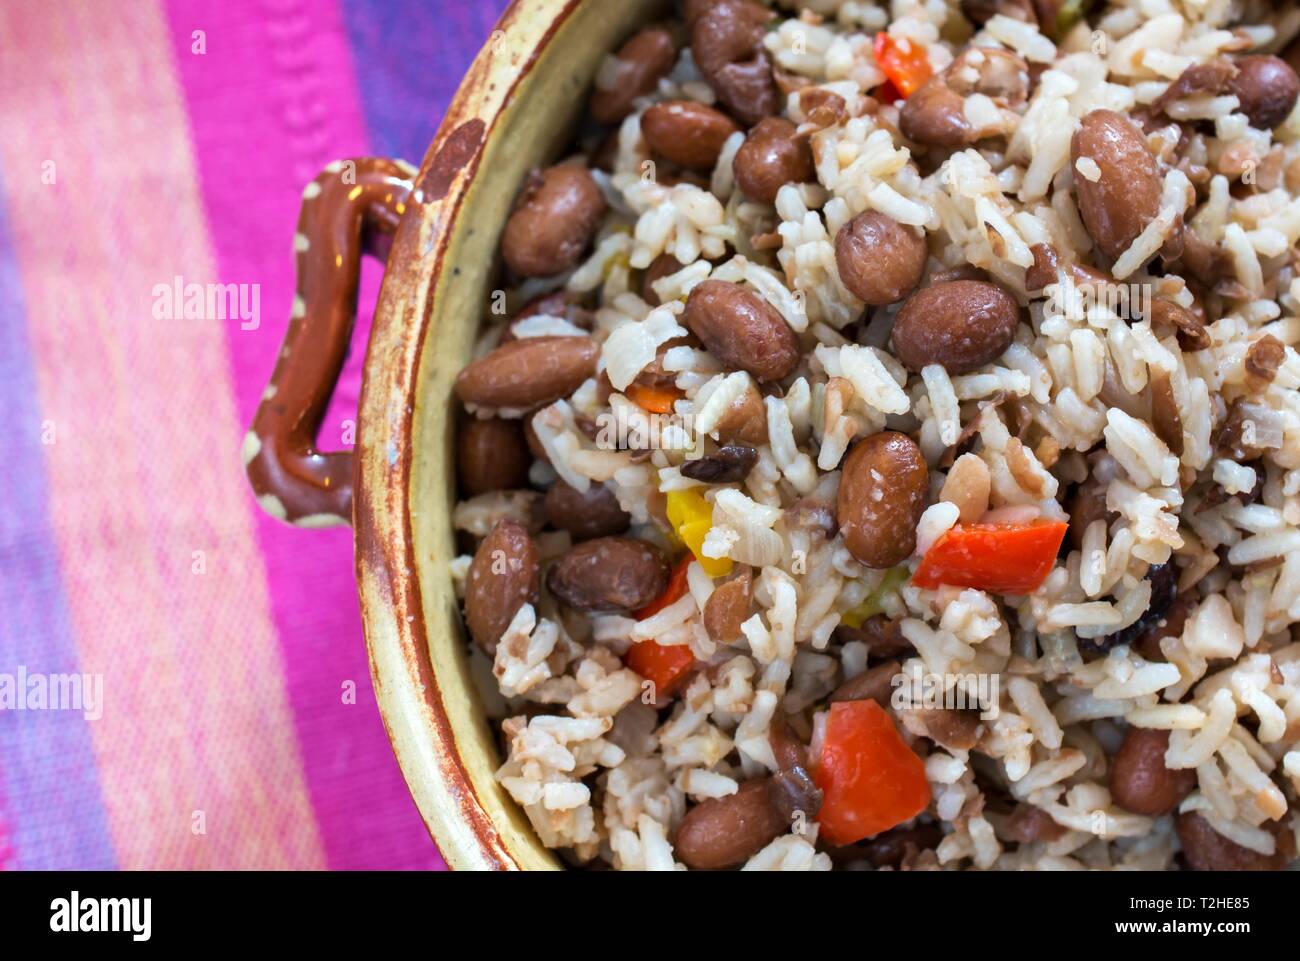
(145, 470)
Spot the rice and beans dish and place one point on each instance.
(886, 454)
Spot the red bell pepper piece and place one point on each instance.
(664, 665)
(1000, 558)
(888, 93)
(870, 779)
(905, 63)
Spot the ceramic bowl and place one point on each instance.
(517, 108)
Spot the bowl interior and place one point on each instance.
(535, 127)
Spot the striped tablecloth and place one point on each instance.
(142, 141)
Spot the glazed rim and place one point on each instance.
(514, 110)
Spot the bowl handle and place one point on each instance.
(351, 208)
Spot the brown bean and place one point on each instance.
(727, 831)
(1027, 824)
(1234, 437)
(528, 372)
(793, 792)
(953, 729)
(1191, 333)
(1208, 850)
(823, 107)
(1263, 358)
(879, 259)
(771, 157)
(558, 213)
(882, 635)
(980, 11)
(882, 495)
(692, 10)
(1087, 503)
(642, 61)
(609, 574)
(1267, 88)
(729, 465)
(687, 132)
(1139, 780)
(1043, 270)
(813, 515)
(1209, 264)
(1126, 195)
(873, 684)
(745, 420)
(504, 576)
(893, 847)
(788, 751)
(961, 325)
(665, 265)
(593, 514)
(1165, 418)
(729, 606)
(935, 116)
(491, 456)
(742, 330)
(727, 44)
(1147, 643)
(1214, 76)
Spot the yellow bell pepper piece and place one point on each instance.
(894, 578)
(692, 516)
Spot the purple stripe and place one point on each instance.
(271, 101)
(410, 59)
(53, 811)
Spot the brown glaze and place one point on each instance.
(351, 208)
(463, 144)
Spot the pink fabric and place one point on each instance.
(239, 725)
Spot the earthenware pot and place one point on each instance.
(517, 108)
